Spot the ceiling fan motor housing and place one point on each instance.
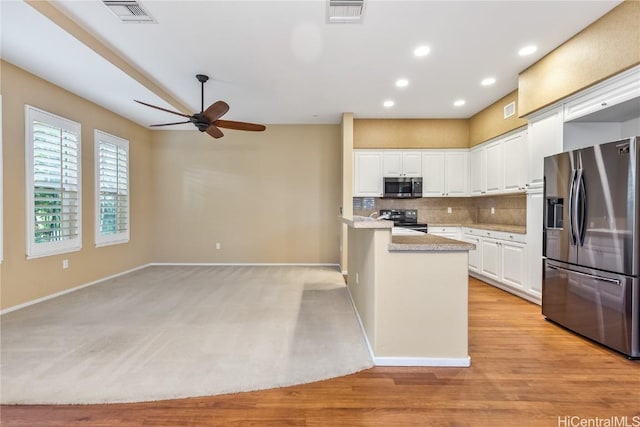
(201, 122)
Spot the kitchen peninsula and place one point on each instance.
(410, 293)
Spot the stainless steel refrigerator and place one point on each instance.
(591, 244)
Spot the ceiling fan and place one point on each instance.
(208, 120)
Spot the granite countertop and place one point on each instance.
(366, 222)
(518, 229)
(428, 243)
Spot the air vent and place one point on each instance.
(345, 11)
(509, 109)
(129, 11)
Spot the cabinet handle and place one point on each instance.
(604, 104)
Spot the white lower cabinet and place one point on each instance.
(500, 259)
(448, 232)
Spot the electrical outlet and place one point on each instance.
(65, 264)
(357, 279)
(493, 211)
(449, 210)
(218, 246)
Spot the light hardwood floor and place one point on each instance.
(525, 372)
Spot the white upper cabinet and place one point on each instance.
(545, 139)
(478, 171)
(618, 89)
(514, 154)
(444, 173)
(494, 174)
(367, 173)
(402, 163)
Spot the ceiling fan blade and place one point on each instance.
(230, 124)
(216, 110)
(215, 132)
(169, 124)
(162, 109)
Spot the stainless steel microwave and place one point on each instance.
(402, 187)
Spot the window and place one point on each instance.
(53, 179)
(112, 189)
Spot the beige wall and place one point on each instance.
(411, 133)
(24, 280)
(268, 197)
(490, 122)
(608, 46)
(347, 185)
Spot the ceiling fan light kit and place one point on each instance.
(208, 120)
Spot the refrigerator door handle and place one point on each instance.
(581, 208)
(591, 276)
(572, 207)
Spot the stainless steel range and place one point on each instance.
(404, 218)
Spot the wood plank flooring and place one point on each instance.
(525, 372)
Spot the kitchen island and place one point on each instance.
(410, 293)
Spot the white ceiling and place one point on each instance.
(279, 62)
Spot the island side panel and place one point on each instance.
(421, 304)
(361, 276)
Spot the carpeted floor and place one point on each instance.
(170, 332)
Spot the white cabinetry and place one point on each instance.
(444, 173)
(618, 89)
(500, 259)
(494, 167)
(545, 139)
(402, 163)
(499, 165)
(514, 153)
(448, 232)
(478, 174)
(367, 173)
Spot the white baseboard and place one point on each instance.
(461, 362)
(515, 291)
(364, 333)
(67, 291)
(248, 264)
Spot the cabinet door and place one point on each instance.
(512, 267)
(456, 173)
(412, 163)
(474, 255)
(433, 174)
(448, 232)
(392, 163)
(514, 156)
(367, 172)
(494, 167)
(477, 177)
(545, 139)
(490, 258)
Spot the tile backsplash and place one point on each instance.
(508, 209)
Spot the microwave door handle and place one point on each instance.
(572, 204)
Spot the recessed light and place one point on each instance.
(527, 50)
(388, 103)
(488, 81)
(402, 83)
(459, 103)
(422, 51)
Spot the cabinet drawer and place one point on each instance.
(499, 235)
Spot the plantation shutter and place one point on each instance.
(112, 178)
(53, 175)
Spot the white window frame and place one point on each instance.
(41, 249)
(115, 238)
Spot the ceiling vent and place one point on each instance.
(345, 11)
(509, 109)
(129, 11)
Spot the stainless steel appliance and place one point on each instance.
(591, 244)
(404, 218)
(402, 188)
